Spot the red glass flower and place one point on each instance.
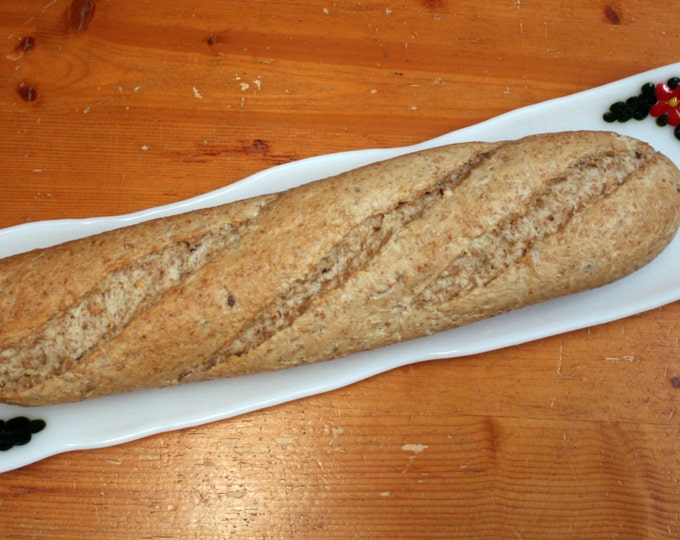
(668, 103)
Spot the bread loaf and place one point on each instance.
(388, 252)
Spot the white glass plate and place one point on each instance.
(113, 420)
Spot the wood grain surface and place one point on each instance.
(112, 106)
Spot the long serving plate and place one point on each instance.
(113, 420)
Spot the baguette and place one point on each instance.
(388, 252)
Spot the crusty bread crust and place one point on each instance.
(388, 252)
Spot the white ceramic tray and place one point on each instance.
(114, 420)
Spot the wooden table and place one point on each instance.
(112, 106)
